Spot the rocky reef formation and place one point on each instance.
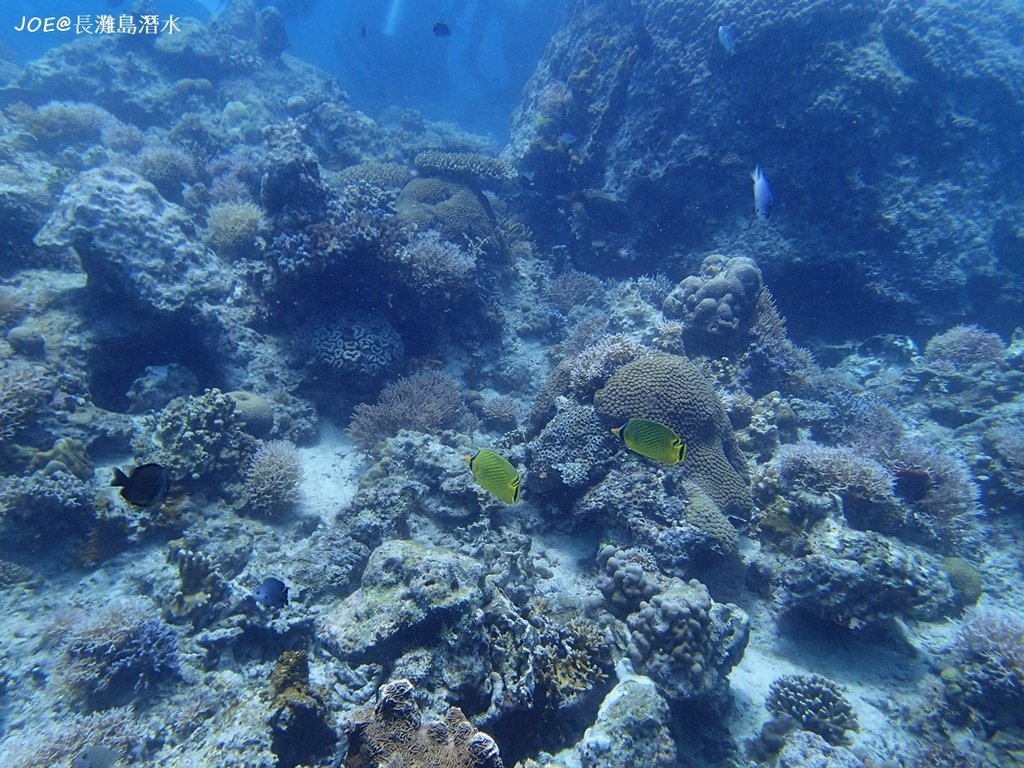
(837, 103)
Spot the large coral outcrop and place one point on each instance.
(672, 390)
(133, 244)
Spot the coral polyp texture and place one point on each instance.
(686, 642)
(672, 390)
(393, 733)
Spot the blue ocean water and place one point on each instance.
(531, 384)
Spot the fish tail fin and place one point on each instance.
(119, 479)
(682, 452)
(617, 431)
(468, 459)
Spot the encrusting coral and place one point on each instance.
(392, 733)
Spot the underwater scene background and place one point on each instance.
(617, 383)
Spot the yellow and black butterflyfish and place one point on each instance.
(652, 439)
(495, 474)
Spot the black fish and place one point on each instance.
(144, 485)
(272, 593)
(442, 30)
(362, 31)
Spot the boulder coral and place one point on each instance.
(672, 390)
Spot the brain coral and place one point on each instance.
(364, 347)
(672, 390)
(453, 209)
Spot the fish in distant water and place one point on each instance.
(726, 39)
(652, 439)
(362, 31)
(495, 474)
(442, 30)
(272, 593)
(762, 193)
(95, 757)
(145, 484)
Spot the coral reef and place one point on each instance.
(963, 346)
(272, 478)
(469, 166)
(985, 676)
(135, 246)
(197, 437)
(22, 391)
(300, 715)
(452, 209)
(630, 577)
(233, 228)
(686, 642)
(804, 749)
(365, 348)
(117, 656)
(816, 703)
(859, 578)
(672, 390)
(202, 588)
(393, 732)
(718, 306)
(424, 402)
(631, 727)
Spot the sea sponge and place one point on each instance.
(272, 478)
(672, 390)
(816, 703)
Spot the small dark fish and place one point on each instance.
(272, 593)
(442, 30)
(145, 484)
(362, 31)
(95, 757)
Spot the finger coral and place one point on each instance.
(272, 478)
(816, 703)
